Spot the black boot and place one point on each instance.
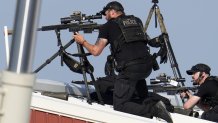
(159, 110)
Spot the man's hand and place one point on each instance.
(79, 38)
(185, 94)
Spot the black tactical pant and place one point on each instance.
(127, 84)
(106, 89)
(129, 90)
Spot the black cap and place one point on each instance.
(199, 68)
(113, 5)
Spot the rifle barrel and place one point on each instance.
(76, 26)
(158, 88)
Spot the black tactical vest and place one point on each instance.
(132, 30)
(212, 101)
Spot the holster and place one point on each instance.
(109, 66)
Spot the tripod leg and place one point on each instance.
(160, 20)
(173, 60)
(85, 60)
(170, 53)
(54, 56)
(79, 47)
(148, 19)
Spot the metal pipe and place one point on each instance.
(18, 80)
(6, 33)
(23, 40)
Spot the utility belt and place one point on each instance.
(119, 67)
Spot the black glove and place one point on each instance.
(155, 64)
(163, 53)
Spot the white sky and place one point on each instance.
(191, 25)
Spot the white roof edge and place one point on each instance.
(80, 109)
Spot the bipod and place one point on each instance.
(158, 16)
(86, 69)
(58, 53)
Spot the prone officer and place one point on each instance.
(206, 97)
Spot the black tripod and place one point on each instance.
(86, 69)
(58, 53)
(158, 16)
(84, 63)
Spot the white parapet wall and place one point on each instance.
(79, 108)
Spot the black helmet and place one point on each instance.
(113, 5)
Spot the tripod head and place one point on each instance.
(155, 1)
